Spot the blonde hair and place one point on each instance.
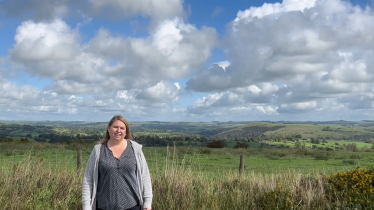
(115, 118)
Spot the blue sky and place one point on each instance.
(176, 60)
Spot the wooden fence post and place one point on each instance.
(79, 161)
(241, 166)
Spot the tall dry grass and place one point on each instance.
(254, 191)
(31, 185)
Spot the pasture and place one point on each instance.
(203, 160)
(43, 176)
(328, 144)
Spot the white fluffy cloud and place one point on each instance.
(302, 106)
(273, 9)
(10, 91)
(229, 106)
(134, 75)
(52, 50)
(161, 92)
(144, 103)
(282, 42)
(258, 98)
(310, 58)
(26, 99)
(172, 51)
(45, 41)
(306, 51)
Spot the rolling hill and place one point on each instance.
(306, 131)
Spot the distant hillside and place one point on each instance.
(57, 123)
(249, 131)
(273, 131)
(306, 131)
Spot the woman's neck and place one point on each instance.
(116, 143)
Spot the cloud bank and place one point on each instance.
(304, 60)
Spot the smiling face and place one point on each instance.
(117, 131)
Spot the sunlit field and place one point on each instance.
(44, 176)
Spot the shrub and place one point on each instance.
(24, 140)
(352, 147)
(315, 141)
(354, 188)
(279, 198)
(216, 144)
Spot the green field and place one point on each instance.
(288, 165)
(43, 176)
(329, 144)
(202, 160)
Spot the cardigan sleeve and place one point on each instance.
(147, 185)
(87, 186)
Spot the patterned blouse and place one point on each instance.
(117, 186)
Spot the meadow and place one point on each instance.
(43, 176)
(328, 144)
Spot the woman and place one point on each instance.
(117, 175)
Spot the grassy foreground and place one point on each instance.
(196, 178)
(31, 186)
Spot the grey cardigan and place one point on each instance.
(91, 175)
